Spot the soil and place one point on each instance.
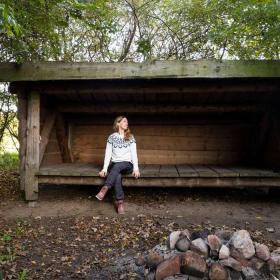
(69, 234)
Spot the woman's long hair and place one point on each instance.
(127, 132)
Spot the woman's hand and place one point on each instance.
(102, 173)
(136, 173)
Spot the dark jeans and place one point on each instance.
(114, 176)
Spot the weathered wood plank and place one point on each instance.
(129, 70)
(151, 170)
(32, 148)
(66, 152)
(208, 130)
(186, 170)
(223, 182)
(90, 143)
(205, 171)
(244, 171)
(168, 171)
(224, 172)
(148, 108)
(149, 89)
(167, 157)
(154, 171)
(254, 172)
(22, 128)
(75, 169)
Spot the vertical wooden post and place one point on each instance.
(22, 119)
(32, 148)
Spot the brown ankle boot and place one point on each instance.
(119, 206)
(102, 193)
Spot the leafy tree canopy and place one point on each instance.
(138, 30)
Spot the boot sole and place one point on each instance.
(99, 198)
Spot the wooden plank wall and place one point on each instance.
(52, 154)
(169, 144)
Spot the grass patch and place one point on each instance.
(9, 176)
(22, 275)
(9, 160)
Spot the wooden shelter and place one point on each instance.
(196, 123)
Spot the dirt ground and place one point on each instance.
(69, 234)
(218, 206)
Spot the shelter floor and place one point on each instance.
(165, 175)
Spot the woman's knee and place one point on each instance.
(117, 167)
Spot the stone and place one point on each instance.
(153, 259)
(224, 252)
(256, 263)
(168, 267)
(262, 251)
(234, 275)
(271, 265)
(199, 246)
(185, 233)
(214, 243)
(270, 229)
(183, 244)
(217, 272)
(249, 273)
(140, 260)
(224, 235)
(242, 242)
(173, 238)
(177, 277)
(235, 253)
(275, 257)
(193, 264)
(232, 263)
(200, 234)
(151, 275)
(119, 266)
(171, 254)
(196, 278)
(164, 251)
(160, 249)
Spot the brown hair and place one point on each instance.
(127, 132)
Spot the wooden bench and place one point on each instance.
(156, 175)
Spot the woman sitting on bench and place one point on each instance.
(121, 147)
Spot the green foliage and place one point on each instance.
(7, 237)
(23, 275)
(248, 29)
(9, 255)
(120, 30)
(9, 160)
(8, 23)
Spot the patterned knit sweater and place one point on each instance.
(118, 149)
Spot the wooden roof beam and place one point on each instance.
(29, 71)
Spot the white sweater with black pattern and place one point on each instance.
(118, 150)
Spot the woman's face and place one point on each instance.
(123, 124)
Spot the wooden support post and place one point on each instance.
(32, 148)
(22, 119)
(45, 133)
